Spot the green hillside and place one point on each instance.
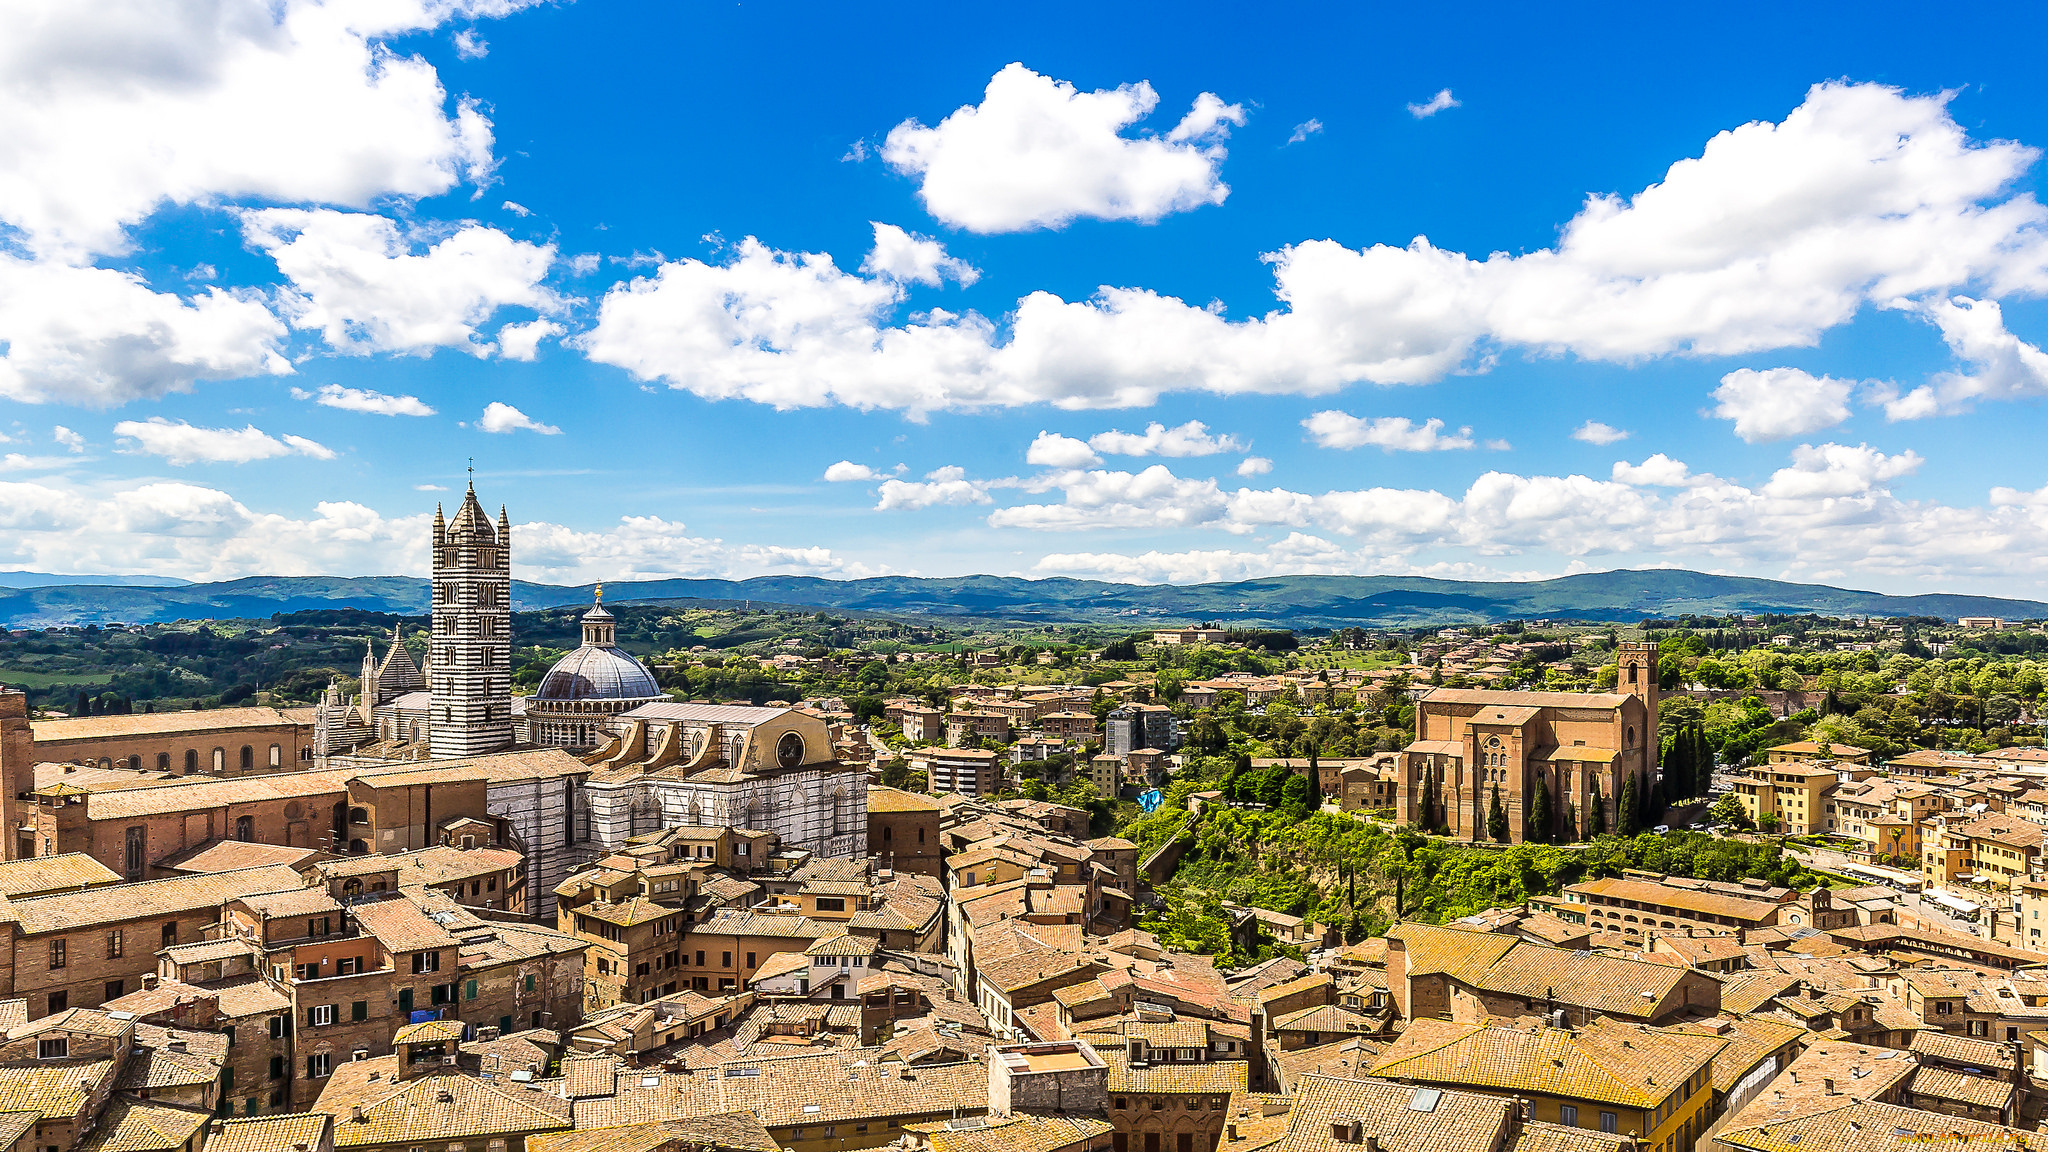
(1285, 601)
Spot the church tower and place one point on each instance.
(471, 693)
(1635, 675)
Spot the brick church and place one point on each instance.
(1582, 745)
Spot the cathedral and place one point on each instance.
(654, 763)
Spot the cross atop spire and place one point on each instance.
(472, 475)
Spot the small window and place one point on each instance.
(318, 1065)
(114, 944)
(56, 953)
(321, 1015)
(55, 1048)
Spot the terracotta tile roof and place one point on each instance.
(1629, 1065)
(401, 926)
(589, 1075)
(1216, 1076)
(1307, 983)
(1858, 1125)
(1750, 1040)
(85, 1021)
(176, 896)
(230, 855)
(1951, 1084)
(52, 1089)
(882, 799)
(131, 1125)
(1405, 1118)
(1686, 899)
(794, 1091)
(728, 1132)
(1961, 1050)
(156, 724)
(435, 1108)
(40, 874)
(1543, 1136)
(428, 1031)
(161, 1068)
(1020, 1132)
(300, 902)
(271, 1133)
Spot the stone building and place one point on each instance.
(903, 830)
(1580, 747)
(216, 741)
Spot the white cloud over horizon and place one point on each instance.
(1774, 234)
(1341, 430)
(503, 419)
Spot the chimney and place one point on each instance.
(1827, 1085)
(1372, 1144)
(355, 1113)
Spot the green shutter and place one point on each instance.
(469, 990)
(529, 983)
(360, 1010)
(405, 999)
(505, 1025)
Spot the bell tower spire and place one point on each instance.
(471, 647)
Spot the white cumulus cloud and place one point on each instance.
(1052, 450)
(1779, 403)
(948, 485)
(1334, 429)
(68, 438)
(1773, 235)
(1189, 439)
(503, 418)
(1037, 153)
(181, 443)
(356, 279)
(1304, 130)
(521, 341)
(1594, 432)
(114, 109)
(364, 400)
(915, 259)
(847, 471)
(2002, 366)
(97, 338)
(1435, 104)
(1254, 466)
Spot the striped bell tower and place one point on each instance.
(472, 648)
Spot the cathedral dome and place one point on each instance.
(598, 670)
(598, 673)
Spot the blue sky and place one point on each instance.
(730, 290)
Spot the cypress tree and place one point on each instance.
(1596, 814)
(1497, 819)
(1625, 810)
(1539, 812)
(1702, 762)
(1570, 829)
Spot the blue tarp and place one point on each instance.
(1150, 799)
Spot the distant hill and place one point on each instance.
(1283, 601)
(48, 579)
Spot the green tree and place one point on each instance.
(895, 772)
(1540, 818)
(1297, 796)
(1596, 814)
(1626, 815)
(1497, 819)
(1728, 810)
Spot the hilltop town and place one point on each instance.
(1731, 884)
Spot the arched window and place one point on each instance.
(220, 759)
(248, 757)
(135, 762)
(245, 828)
(276, 756)
(358, 848)
(359, 815)
(163, 761)
(106, 763)
(191, 760)
(888, 834)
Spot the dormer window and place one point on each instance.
(55, 1048)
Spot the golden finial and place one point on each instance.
(600, 592)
